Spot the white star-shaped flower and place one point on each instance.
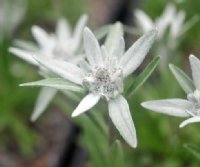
(102, 76)
(189, 107)
(169, 19)
(62, 45)
(171, 26)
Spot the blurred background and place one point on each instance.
(56, 140)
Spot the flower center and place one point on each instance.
(105, 82)
(59, 52)
(195, 99)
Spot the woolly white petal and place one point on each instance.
(178, 24)
(174, 107)
(84, 65)
(45, 97)
(114, 34)
(25, 55)
(118, 51)
(189, 121)
(143, 21)
(120, 115)
(137, 52)
(166, 19)
(62, 68)
(88, 102)
(92, 48)
(195, 65)
(40, 36)
(185, 82)
(63, 29)
(79, 30)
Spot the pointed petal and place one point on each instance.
(189, 24)
(56, 83)
(195, 66)
(113, 37)
(118, 51)
(63, 29)
(45, 97)
(120, 115)
(189, 121)
(88, 102)
(64, 69)
(166, 19)
(40, 36)
(25, 55)
(104, 53)
(92, 48)
(25, 45)
(137, 52)
(143, 21)
(174, 107)
(178, 24)
(184, 81)
(169, 13)
(84, 65)
(78, 32)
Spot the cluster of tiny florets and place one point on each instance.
(60, 53)
(104, 82)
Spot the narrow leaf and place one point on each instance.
(194, 149)
(57, 83)
(140, 79)
(185, 82)
(116, 153)
(189, 24)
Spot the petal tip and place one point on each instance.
(34, 28)
(192, 56)
(87, 33)
(181, 126)
(11, 50)
(33, 119)
(170, 65)
(134, 145)
(136, 11)
(74, 114)
(87, 30)
(144, 104)
(84, 16)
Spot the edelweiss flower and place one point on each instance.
(181, 107)
(63, 45)
(171, 27)
(102, 76)
(169, 19)
(11, 14)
